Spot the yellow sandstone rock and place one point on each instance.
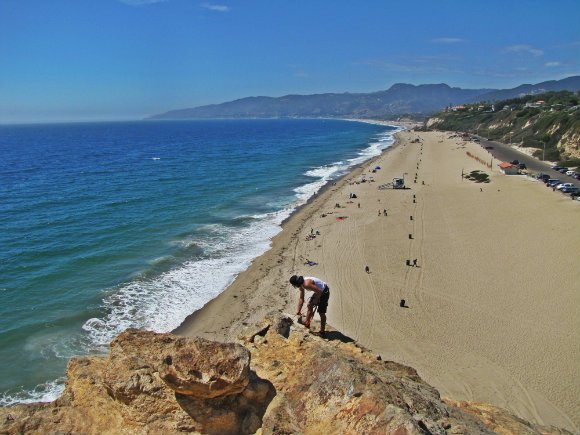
(296, 383)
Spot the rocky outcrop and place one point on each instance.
(152, 384)
(280, 379)
(433, 122)
(502, 422)
(570, 143)
(193, 367)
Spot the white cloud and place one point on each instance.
(524, 48)
(552, 64)
(141, 2)
(447, 40)
(216, 8)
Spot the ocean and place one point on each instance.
(105, 226)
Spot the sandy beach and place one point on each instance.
(493, 307)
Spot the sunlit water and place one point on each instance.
(106, 226)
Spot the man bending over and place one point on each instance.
(319, 299)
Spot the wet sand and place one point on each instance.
(493, 306)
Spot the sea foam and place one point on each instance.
(329, 172)
(160, 302)
(45, 392)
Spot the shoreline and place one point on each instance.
(478, 313)
(363, 149)
(301, 213)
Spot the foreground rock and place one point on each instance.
(295, 383)
(192, 367)
(152, 384)
(502, 422)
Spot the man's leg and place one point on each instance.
(322, 321)
(322, 306)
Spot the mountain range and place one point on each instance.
(399, 99)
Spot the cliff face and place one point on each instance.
(279, 379)
(570, 143)
(547, 123)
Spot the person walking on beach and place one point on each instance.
(319, 299)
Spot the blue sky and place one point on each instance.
(124, 59)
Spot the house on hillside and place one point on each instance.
(538, 103)
(508, 168)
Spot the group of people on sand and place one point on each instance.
(318, 302)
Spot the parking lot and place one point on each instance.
(504, 153)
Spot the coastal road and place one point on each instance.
(505, 153)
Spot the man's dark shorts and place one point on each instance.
(323, 304)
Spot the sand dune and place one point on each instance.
(493, 304)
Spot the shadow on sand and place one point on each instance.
(337, 335)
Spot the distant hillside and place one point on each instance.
(548, 122)
(567, 84)
(399, 99)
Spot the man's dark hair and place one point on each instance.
(296, 281)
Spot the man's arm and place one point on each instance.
(300, 301)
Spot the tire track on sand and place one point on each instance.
(361, 250)
(339, 258)
(339, 294)
(418, 289)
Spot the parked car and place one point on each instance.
(570, 173)
(515, 162)
(543, 177)
(563, 170)
(577, 176)
(563, 185)
(523, 166)
(571, 189)
(553, 182)
(556, 168)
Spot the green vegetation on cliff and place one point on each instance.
(549, 122)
